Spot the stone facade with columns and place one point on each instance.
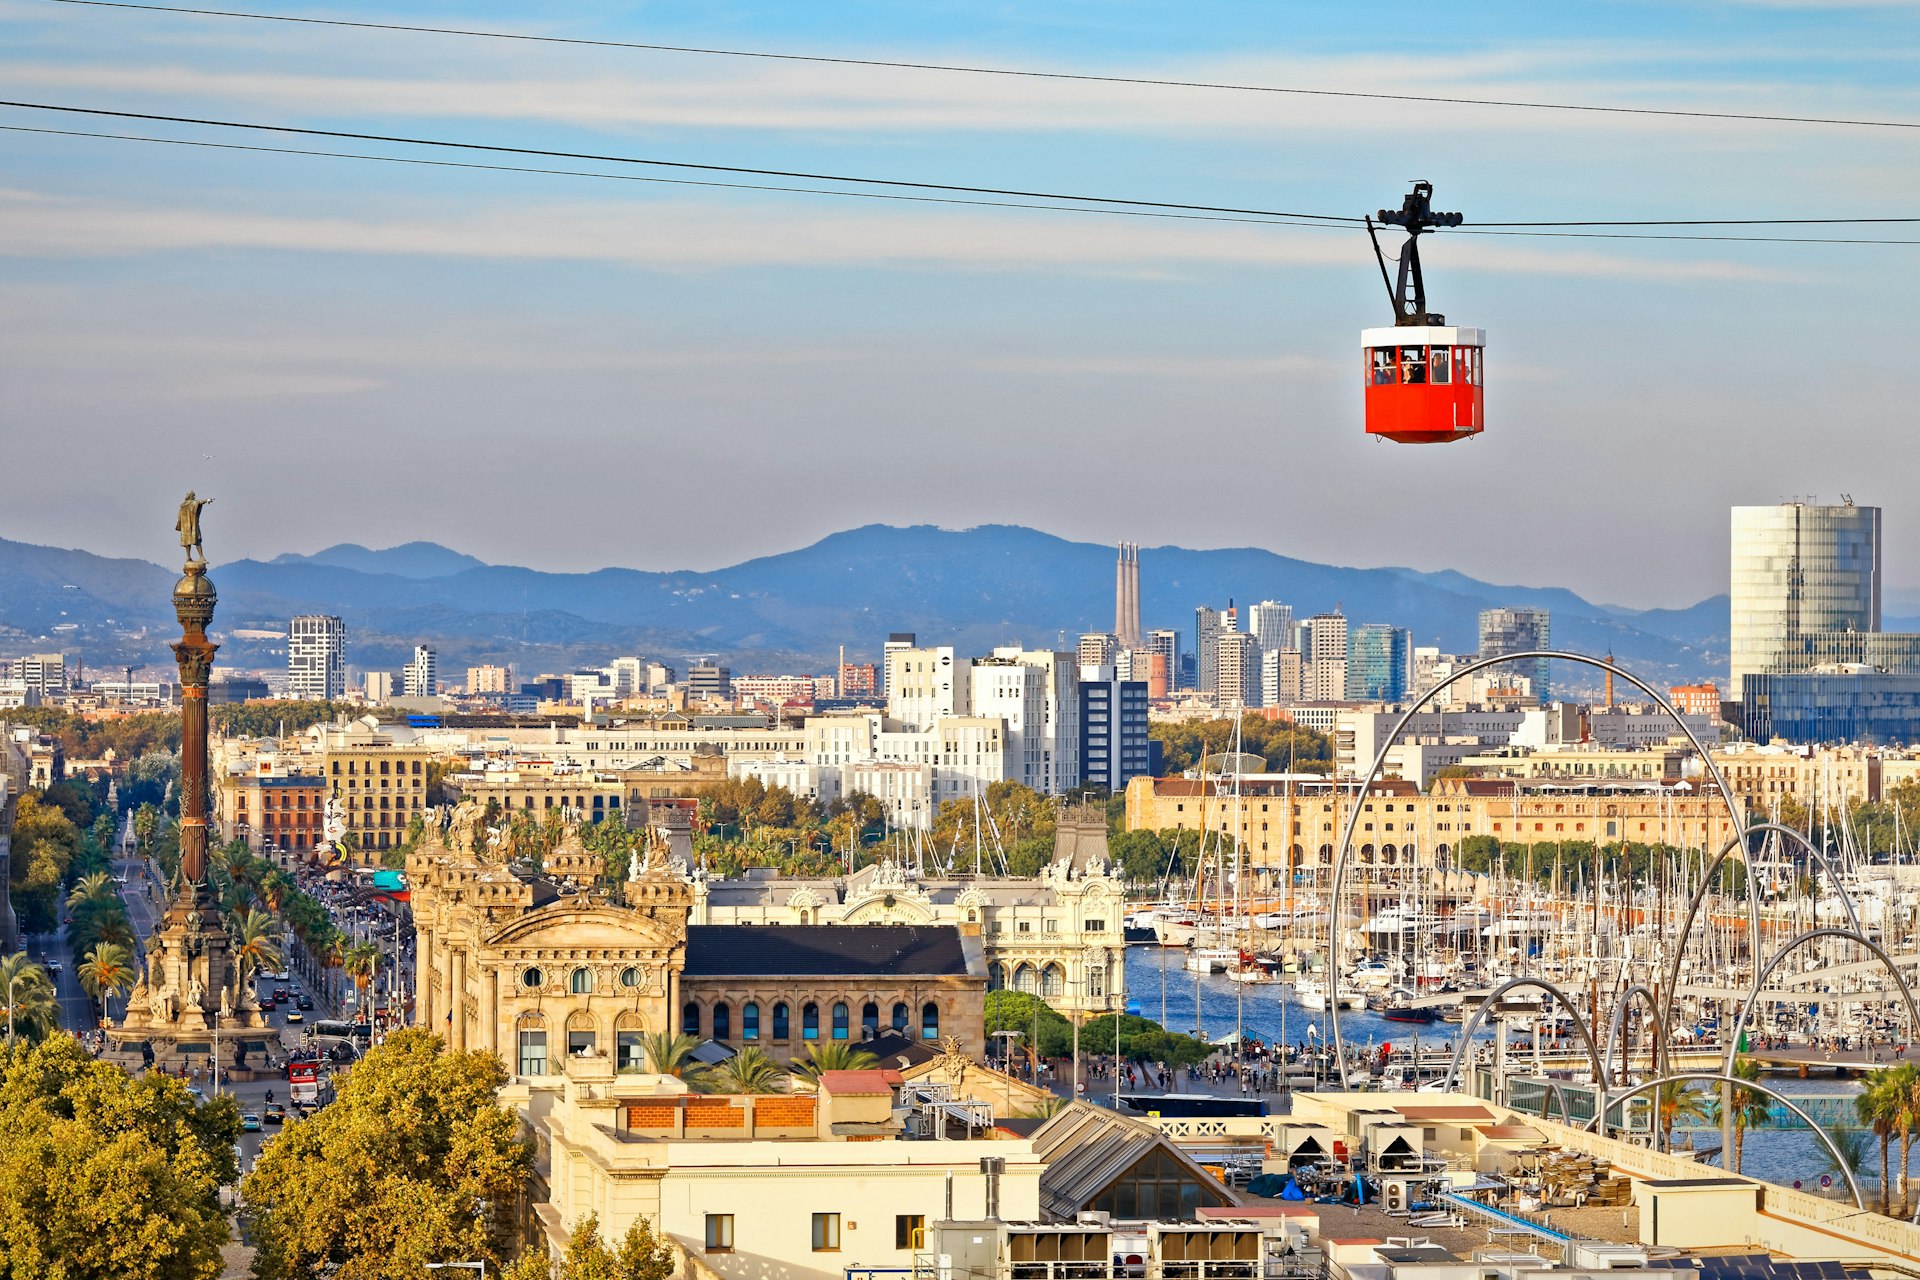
(539, 968)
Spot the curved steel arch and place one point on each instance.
(1722, 1077)
(1699, 896)
(1399, 727)
(1617, 1025)
(1794, 944)
(1473, 1024)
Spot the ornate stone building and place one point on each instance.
(536, 967)
(1058, 935)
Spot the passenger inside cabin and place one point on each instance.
(1441, 366)
(1382, 366)
(1413, 365)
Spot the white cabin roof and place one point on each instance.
(1423, 336)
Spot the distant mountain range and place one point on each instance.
(972, 588)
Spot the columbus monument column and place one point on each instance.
(190, 992)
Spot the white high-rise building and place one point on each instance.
(421, 679)
(925, 684)
(1323, 649)
(1239, 659)
(629, 676)
(1037, 693)
(1271, 624)
(316, 658)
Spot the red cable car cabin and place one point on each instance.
(1424, 383)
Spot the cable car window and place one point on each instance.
(1413, 365)
(1383, 366)
(1442, 365)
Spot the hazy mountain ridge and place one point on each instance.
(972, 588)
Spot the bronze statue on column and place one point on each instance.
(193, 602)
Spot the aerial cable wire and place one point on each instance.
(423, 162)
(1078, 200)
(1009, 72)
(673, 182)
(677, 164)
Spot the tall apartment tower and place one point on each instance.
(1126, 596)
(1239, 665)
(316, 658)
(422, 676)
(1323, 650)
(1799, 570)
(1208, 623)
(1516, 631)
(1271, 624)
(489, 679)
(1099, 649)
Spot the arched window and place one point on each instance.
(580, 981)
(780, 1021)
(900, 1016)
(810, 1022)
(723, 1021)
(630, 976)
(533, 1044)
(690, 1019)
(840, 1019)
(581, 1035)
(996, 976)
(1027, 978)
(930, 1021)
(749, 1021)
(1053, 982)
(629, 1034)
(869, 1020)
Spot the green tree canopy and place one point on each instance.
(1283, 744)
(107, 1176)
(1142, 1040)
(45, 844)
(1019, 1011)
(640, 1255)
(413, 1162)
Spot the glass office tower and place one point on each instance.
(1800, 570)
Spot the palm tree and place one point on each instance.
(1674, 1102)
(361, 962)
(835, 1055)
(1852, 1146)
(90, 889)
(255, 942)
(672, 1055)
(106, 972)
(1905, 1084)
(1878, 1106)
(33, 1008)
(749, 1071)
(1746, 1107)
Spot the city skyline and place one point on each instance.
(528, 319)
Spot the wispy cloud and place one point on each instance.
(885, 101)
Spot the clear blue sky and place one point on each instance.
(570, 373)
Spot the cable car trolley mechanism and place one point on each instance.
(1424, 377)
